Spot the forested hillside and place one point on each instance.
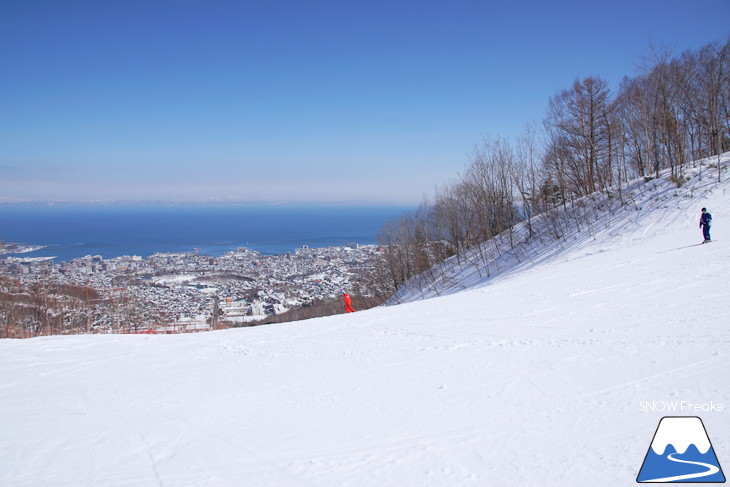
(593, 139)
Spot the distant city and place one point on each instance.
(183, 292)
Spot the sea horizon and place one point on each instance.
(69, 232)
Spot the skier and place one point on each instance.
(705, 223)
(348, 303)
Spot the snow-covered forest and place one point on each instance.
(592, 140)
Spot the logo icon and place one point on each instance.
(680, 452)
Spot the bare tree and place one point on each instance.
(577, 123)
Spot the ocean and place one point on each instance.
(72, 232)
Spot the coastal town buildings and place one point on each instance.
(183, 292)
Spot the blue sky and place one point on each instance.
(301, 101)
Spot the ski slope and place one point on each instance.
(533, 378)
(633, 211)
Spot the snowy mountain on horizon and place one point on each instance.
(533, 376)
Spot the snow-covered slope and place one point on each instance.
(631, 211)
(544, 377)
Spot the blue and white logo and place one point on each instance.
(681, 452)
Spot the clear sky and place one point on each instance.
(299, 101)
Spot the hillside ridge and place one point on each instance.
(602, 215)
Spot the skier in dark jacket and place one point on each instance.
(705, 223)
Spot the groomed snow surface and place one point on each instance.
(536, 378)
